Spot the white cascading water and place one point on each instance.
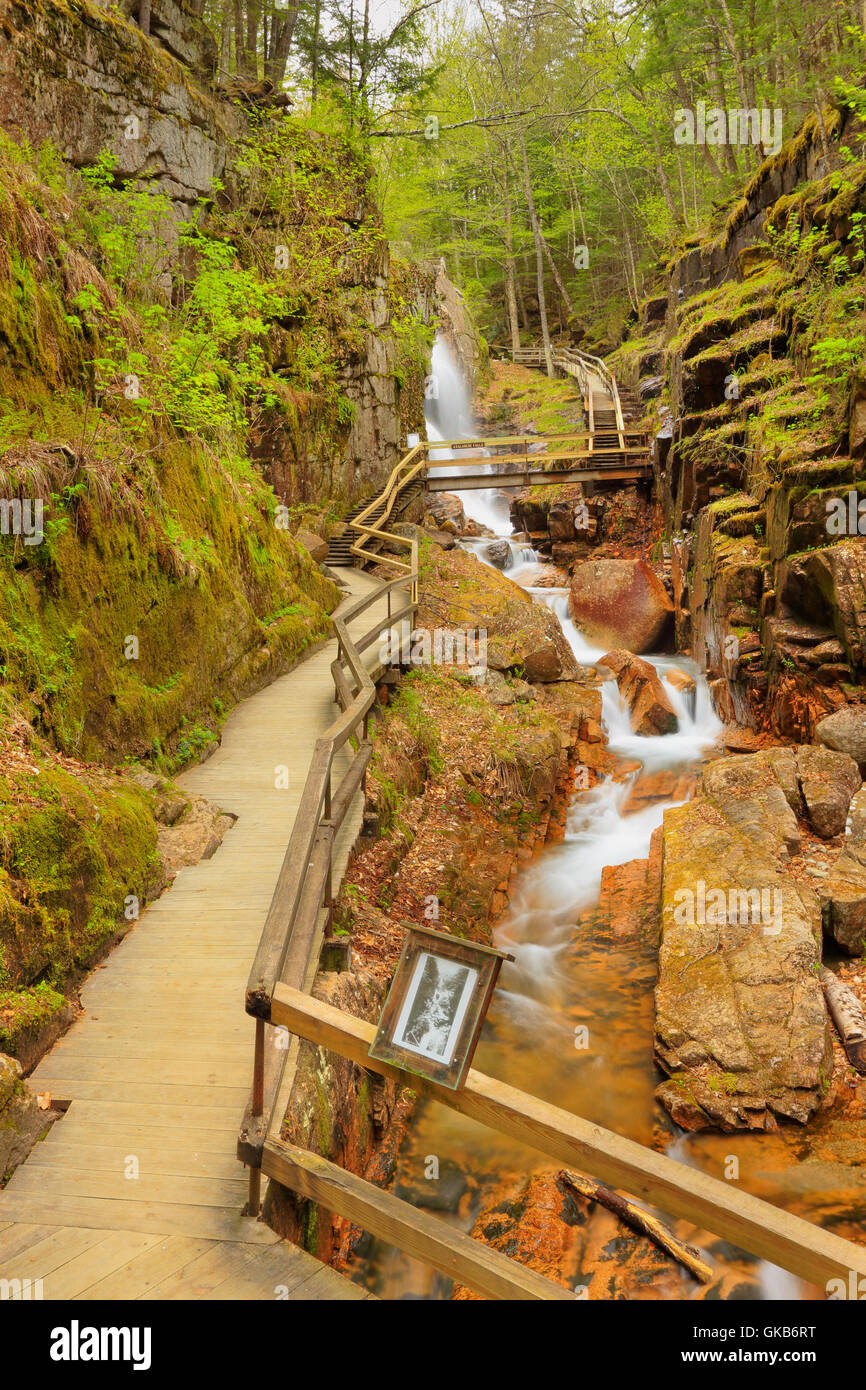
(554, 891)
(448, 415)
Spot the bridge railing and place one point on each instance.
(579, 365)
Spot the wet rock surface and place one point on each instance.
(741, 1026)
(620, 603)
(638, 682)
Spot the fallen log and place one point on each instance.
(640, 1221)
(847, 1013)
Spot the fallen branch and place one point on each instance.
(847, 1013)
(640, 1221)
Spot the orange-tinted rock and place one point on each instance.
(620, 603)
(543, 577)
(629, 898)
(685, 685)
(640, 687)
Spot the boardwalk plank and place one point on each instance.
(142, 1273)
(158, 1218)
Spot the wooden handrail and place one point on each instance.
(286, 949)
(418, 1233)
(770, 1232)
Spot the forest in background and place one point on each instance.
(533, 143)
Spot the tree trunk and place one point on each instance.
(225, 41)
(240, 49)
(144, 16)
(510, 295)
(281, 42)
(717, 84)
(682, 89)
(315, 64)
(557, 280)
(641, 1221)
(539, 256)
(251, 55)
(521, 303)
(847, 1013)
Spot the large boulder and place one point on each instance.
(846, 732)
(620, 603)
(828, 780)
(444, 512)
(748, 793)
(458, 592)
(314, 544)
(741, 1026)
(639, 685)
(498, 554)
(843, 895)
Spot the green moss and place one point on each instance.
(74, 846)
(26, 1012)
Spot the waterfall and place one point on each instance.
(448, 415)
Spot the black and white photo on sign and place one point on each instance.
(435, 1007)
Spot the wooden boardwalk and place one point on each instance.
(136, 1192)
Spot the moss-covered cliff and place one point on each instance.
(203, 342)
(760, 407)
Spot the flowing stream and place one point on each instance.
(567, 975)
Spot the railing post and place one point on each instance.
(257, 1103)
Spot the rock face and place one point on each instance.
(843, 897)
(455, 322)
(763, 793)
(741, 1027)
(845, 731)
(102, 84)
(828, 780)
(747, 792)
(643, 692)
(21, 1120)
(619, 603)
(86, 78)
(459, 592)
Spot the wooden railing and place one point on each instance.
(580, 365)
(302, 903)
(747, 1222)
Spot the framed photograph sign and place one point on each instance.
(436, 1005)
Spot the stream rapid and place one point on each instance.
(568, 980)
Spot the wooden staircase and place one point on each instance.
(340, 544)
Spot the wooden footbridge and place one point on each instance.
(606, 449)
(174, 1072)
